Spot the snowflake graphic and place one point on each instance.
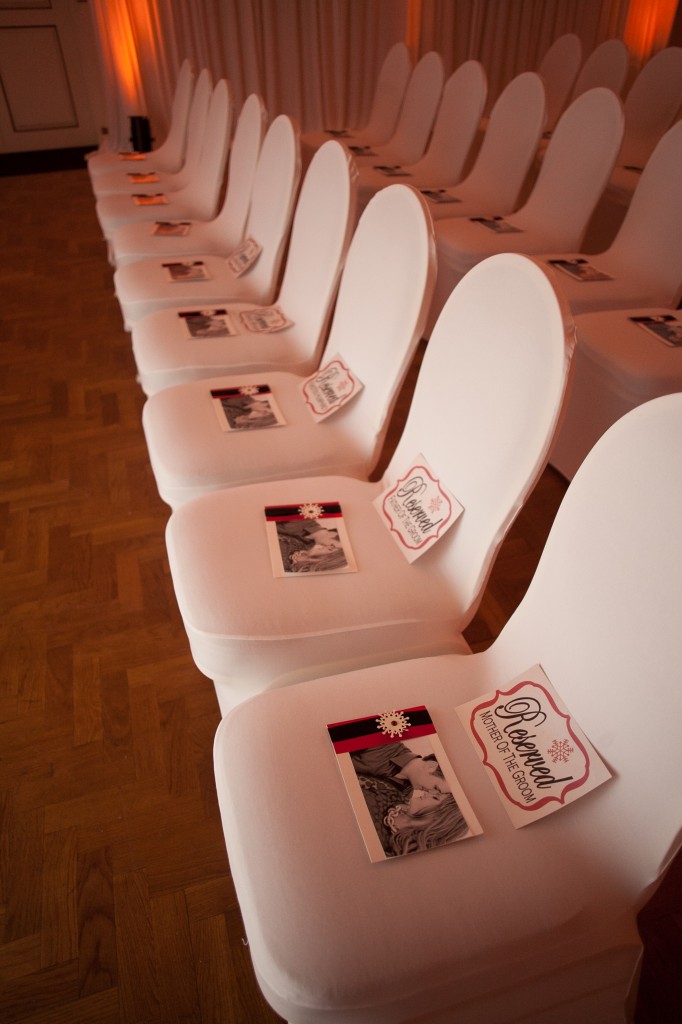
(393, 723)
(560, 750)
(435, 504)
(310, 510)
(248, 389)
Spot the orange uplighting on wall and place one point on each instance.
(648, 26)
(413, 27)
(124, 53)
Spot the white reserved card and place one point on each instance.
(244, 256)
(264, 320)
(418, 509)
(537, 757)
(329, 388)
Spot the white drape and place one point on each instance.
(317, 60)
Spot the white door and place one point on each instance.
(50, 89)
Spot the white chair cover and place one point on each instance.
(133, 242)
(142, 287)
(644, 262)
(510, 142)
(384, 294)
(607, 65)
(454, 131)
(485, 435)
(618, 365)
(170, 154)
(199, 199)
(322, 226)
(386, 103)
(558, 69)
(576, 167)
(417, 115)
(530, 925)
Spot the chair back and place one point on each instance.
(648, 245)
(485, 408)
(558, 70)
(418, 112)
(196, 128)
(205, 186)
(383, 299)
(243, 158)
(602, 616)
(273, 198)
(320, 235)
(651, 105)
(455, 127)
(607, 65)
(388, 94)
(577, 165)
(170, 155)
(509, 144)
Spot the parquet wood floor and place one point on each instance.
(116, 903)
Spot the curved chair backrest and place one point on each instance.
(607, 65)
(485, 407)
(170, 155)
(196, 128)
(577, 165)
(558, 70)
(388, 94)
(273, 197)
(649, 241)
(320, 235)
(243, 160)
(383, 300)
(204, 188)
(651, 105)
(602, 617)
(510, 142)
(418, 112)
(456, 125)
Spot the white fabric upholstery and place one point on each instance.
(576, 167)
(170, 154)
(199, 199)
(534, 925)
(509, 144)
(133, 242)
(607, 65)
(383, 298)
(617, 366)
(322, 226)
(485, 435)
(417, 115)
(389, 92)
(454, 131)
(644, 262)
(558, 69)
(142, 287)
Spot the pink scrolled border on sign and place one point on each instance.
(433, 537)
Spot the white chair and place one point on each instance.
(119, 182)
(452, 138)
(559, 69)
(199, 199)
(142, 287)
(317, 243)
(485, 435)
(389, 92)
(221, 235)
(509, 144)
(532, 925)
(643, 265)
(618, 365)
(576, 167)
(415, 122)
(607, 65)
(651, 106)
(384, 294)
(170, 154)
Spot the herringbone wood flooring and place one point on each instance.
(116, 903)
